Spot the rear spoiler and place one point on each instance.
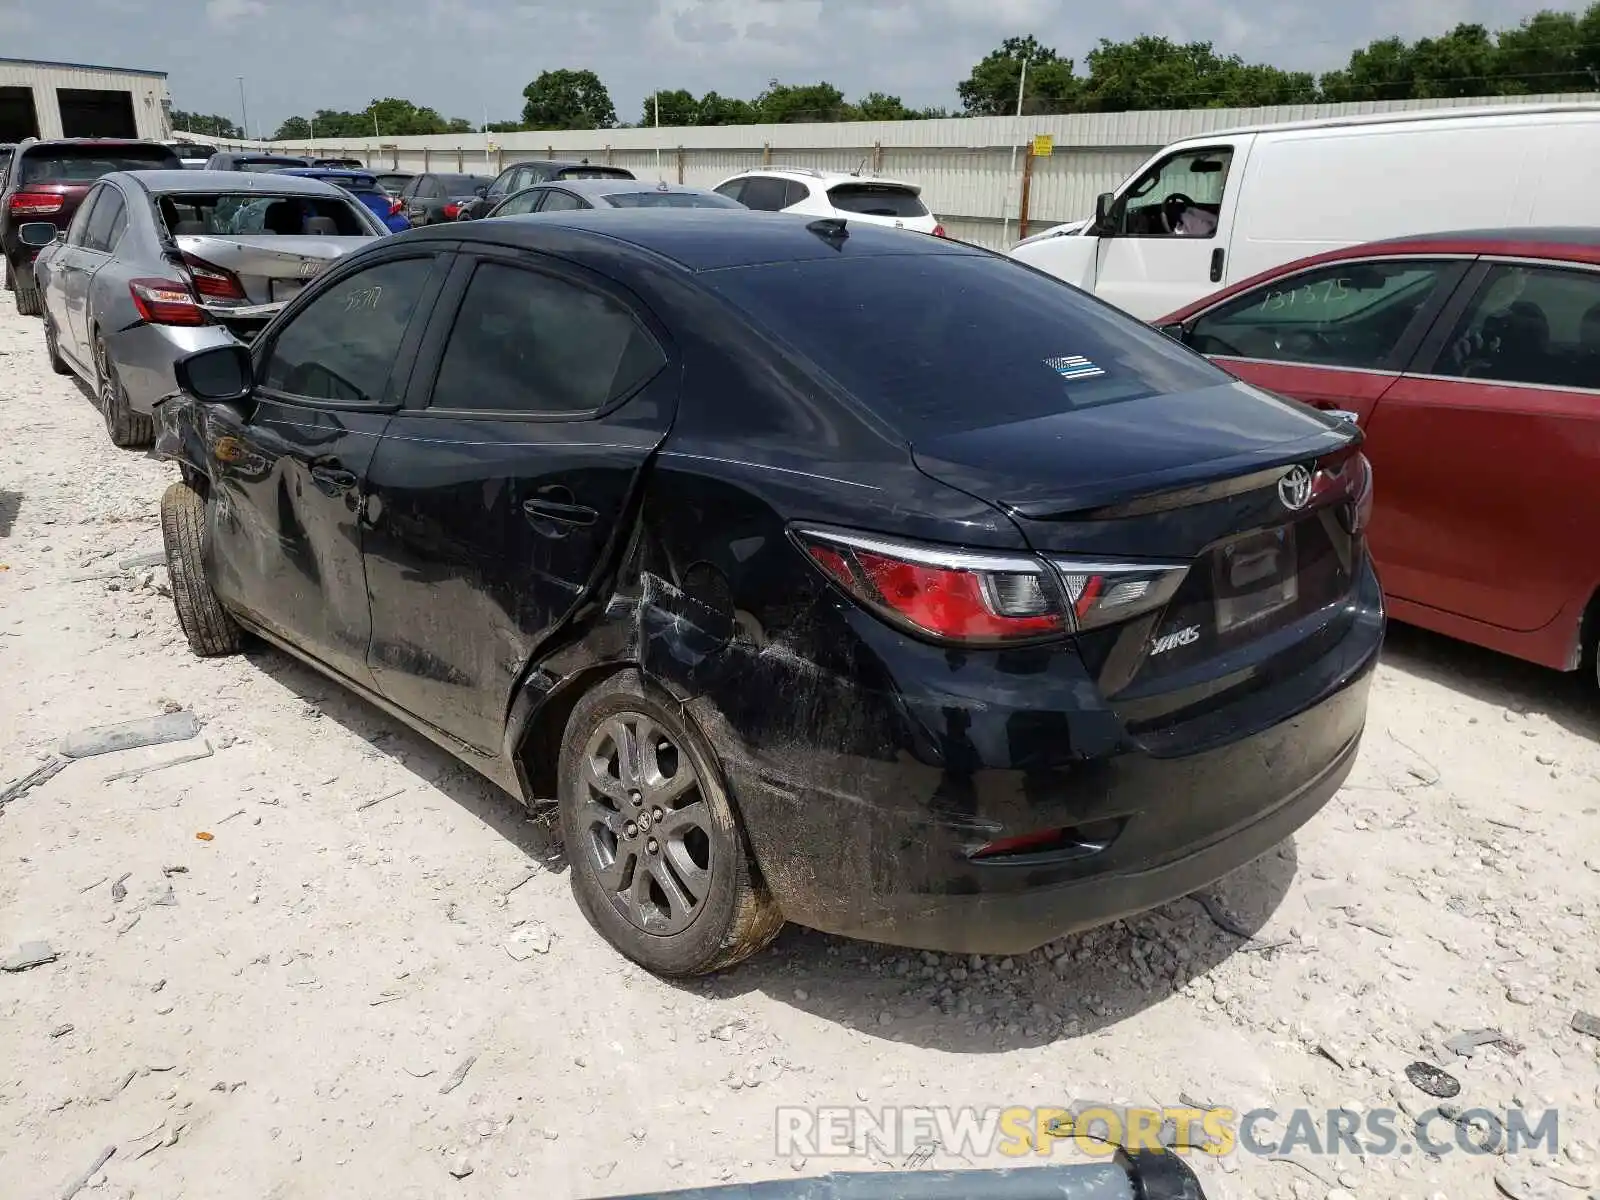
(1135, 1175)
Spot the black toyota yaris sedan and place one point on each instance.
(820, 572)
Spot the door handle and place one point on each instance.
(1216, 265)
(560, 512)
(331, 477)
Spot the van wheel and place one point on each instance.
(29, 302)
(127, 429)
(659, 863)
(52, 349)
(207, 625)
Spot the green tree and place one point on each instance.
(295, 128)
(1550, 52)
(796, 104)
(567, 99)
(678, 108)
(1156, 72)
(207, 123)
(1384, 70)
(991, 89)
(725, 110)
(876, 106)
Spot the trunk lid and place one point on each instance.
(271, 268)
(1191, 480)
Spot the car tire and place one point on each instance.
(128, 429)
(52, 349)
(609, 811)
(29, 302)
(205, 623)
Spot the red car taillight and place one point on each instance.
(452, 211)
(212, 282)
(396, 208)
(166, 302)
(938, 231)
(984, 596)
(34, 204)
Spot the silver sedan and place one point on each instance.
(567, 195)
(157, 264)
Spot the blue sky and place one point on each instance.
(466, 57)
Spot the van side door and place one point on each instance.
(1170, 231)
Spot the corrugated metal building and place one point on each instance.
(969, 168)
(57, 99)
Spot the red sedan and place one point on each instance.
(1472, 360)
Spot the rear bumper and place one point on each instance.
(868, 829)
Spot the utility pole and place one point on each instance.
(1005, 228)
(244, 111)
(659, 175)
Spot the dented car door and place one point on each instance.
(289, 468)
(504, 486)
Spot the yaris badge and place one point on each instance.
(1294, 489)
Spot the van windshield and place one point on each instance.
(959, 341)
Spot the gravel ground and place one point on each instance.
(279, 1011)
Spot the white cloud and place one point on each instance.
(230, 12)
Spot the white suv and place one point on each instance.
(833, 194)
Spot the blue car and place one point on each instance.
(363, 185)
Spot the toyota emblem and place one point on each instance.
(1294, 489)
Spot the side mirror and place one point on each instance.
(218, 375)
(481, 192)
(1105, 214)
(1177, 331)
(38, 234)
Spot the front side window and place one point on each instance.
(79, 229)
(1350, 314)
(106, 223)
(526, 342)
(765, 193)
(342, 346)
(1181, 196)
(1529, 324)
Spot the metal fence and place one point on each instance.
(969, 168)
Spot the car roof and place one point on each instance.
(702, 239)
(325, 173)
(828, 179)
(57, 143)
(160, 183)
(562, 163)
(1391, 118)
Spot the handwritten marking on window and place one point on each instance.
(364, 298)
(1306, 295)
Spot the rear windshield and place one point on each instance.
(263, 165)
(83, 164)
(593, 173)
(671, 200)
(462, 185)
(942, 343)
(193, 153)
(877, 200)
(228, 213)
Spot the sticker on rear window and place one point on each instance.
(1074, 366)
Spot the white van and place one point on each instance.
(1211, 210)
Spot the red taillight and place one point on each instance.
(212, 282)
(938, 231)
(1345, 477)
(952, 595)
(34, 204)
(166, 302)
(452, 211)
(396, 208)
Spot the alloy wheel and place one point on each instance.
(647, 825)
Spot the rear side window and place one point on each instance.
(733, 190)
(959, 341)
(462, 185)
(765, 193)
(526, 342)
(80, 164)
(877, 200)
(1529, 324)
(342, 346)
